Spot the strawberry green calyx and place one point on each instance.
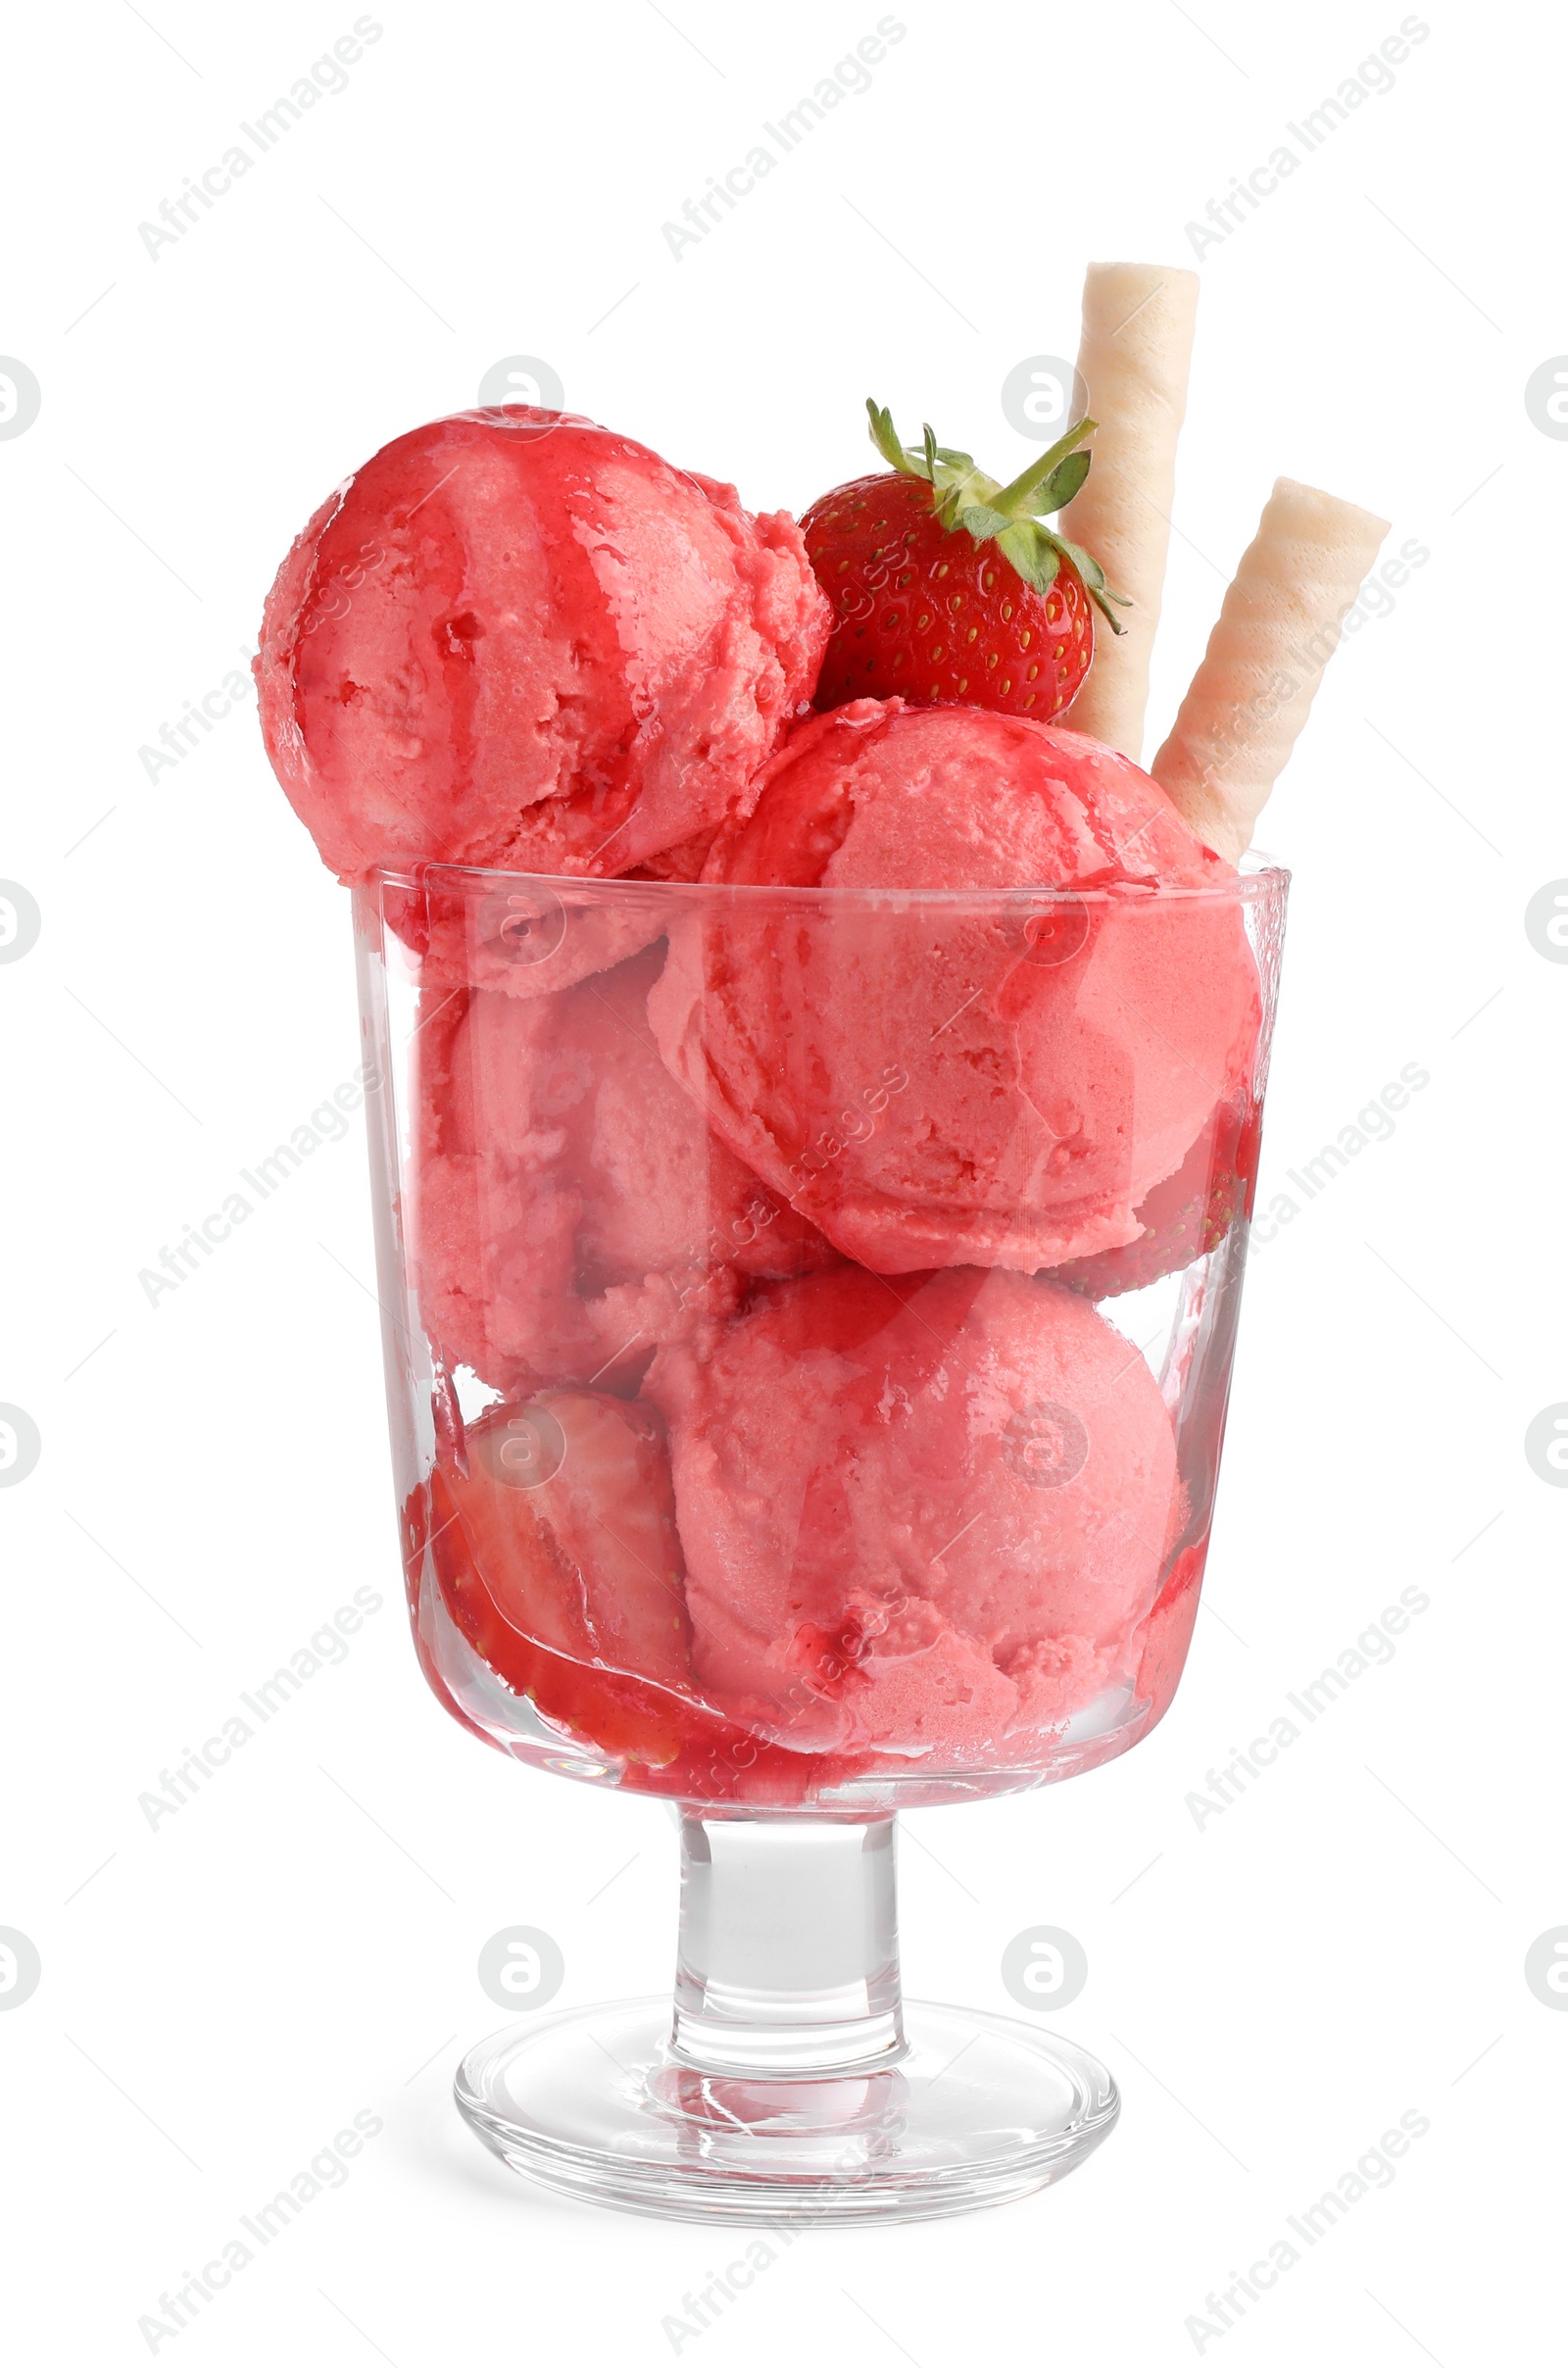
(1009, 516)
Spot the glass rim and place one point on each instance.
(1255, 876)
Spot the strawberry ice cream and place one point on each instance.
(999, 1086)
(768, 1096)
(918, 1518)
(569, 1205)
(918, 1509)
(516, 639)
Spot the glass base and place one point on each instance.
(976, 2110)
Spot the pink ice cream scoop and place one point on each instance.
(1003, 1085)
(920, 1517)
(569, 1208)
(515, 639)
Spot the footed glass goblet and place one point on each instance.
(809, 1328)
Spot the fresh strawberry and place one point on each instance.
(552, 1535)
(568, 1508)
(1187, 1215)
(945, 586)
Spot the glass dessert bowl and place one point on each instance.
(808, 1316)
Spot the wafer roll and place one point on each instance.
(1278, 626)
(1133, 358)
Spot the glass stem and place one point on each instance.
(788, 1962)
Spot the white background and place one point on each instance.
(298, 1944)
